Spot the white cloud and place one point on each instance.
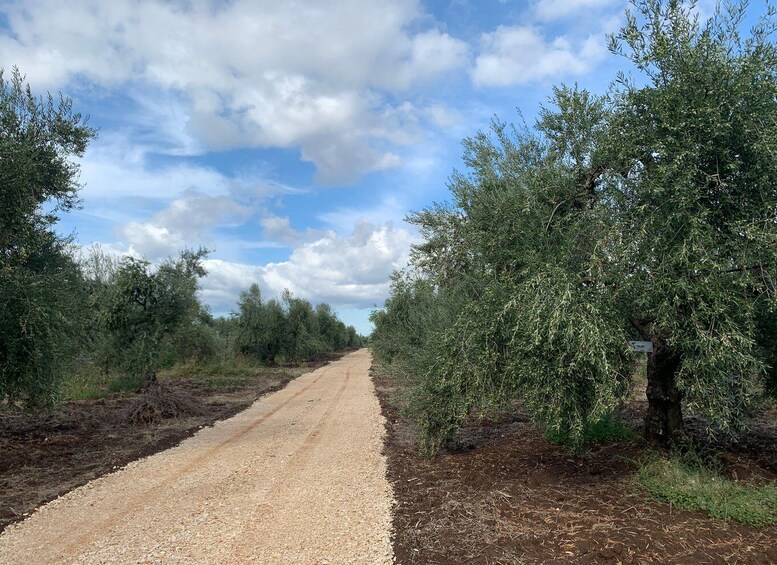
(520, 54)
(345, 271)
(389, 208)
(114, 169)
(443, 116)
(349, 271)
(433, 52)
(278, 228)
(254, 73)
(185, 223)
(224, 282)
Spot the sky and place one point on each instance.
(291, 138)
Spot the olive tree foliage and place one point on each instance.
(252, 336)
(648, 214)
(405, 333)
(700, 208)
(291, 329)
(40, 140)
(145, 308)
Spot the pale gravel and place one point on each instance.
(299, 477)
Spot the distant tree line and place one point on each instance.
(143, 318)
(63, 310)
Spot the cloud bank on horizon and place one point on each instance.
(290, 138)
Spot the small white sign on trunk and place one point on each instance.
(642, 346)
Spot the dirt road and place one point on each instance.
(297, 478)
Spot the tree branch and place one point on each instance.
(639, 326)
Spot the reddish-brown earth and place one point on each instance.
(513, 497)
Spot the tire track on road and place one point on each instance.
(264, 509)
(139, 503)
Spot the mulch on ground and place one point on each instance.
(514, 497)
(43, 456)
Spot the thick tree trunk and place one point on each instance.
(664, 418)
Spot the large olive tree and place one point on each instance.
(649, 214)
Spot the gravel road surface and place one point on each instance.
(297, 478)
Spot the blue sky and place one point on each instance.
(291, 137)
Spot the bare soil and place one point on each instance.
(43, 456)
(510, 496)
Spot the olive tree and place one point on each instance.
(698, 207)
(145, 307)
(649, 214)
(40, 139)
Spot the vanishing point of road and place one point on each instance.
(299, 477)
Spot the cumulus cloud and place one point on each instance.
(185, 223)
(224, 282)
(278, 228)
(254, 73)
(346, 271)
(520, 54)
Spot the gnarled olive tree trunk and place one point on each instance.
(664, 418)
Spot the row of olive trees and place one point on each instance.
(289, 329)
(144, 318)
(649, 214)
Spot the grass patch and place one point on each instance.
(687, 483)
(89, 382)
(238, 369)
(606, 430)
(124, 384)
(83, 385)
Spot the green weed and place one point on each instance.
(608, 429)
(689, 483)
(124, 383)
(83, 386)
(234, 368)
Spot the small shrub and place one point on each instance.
(183, 370)
(687, 482)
